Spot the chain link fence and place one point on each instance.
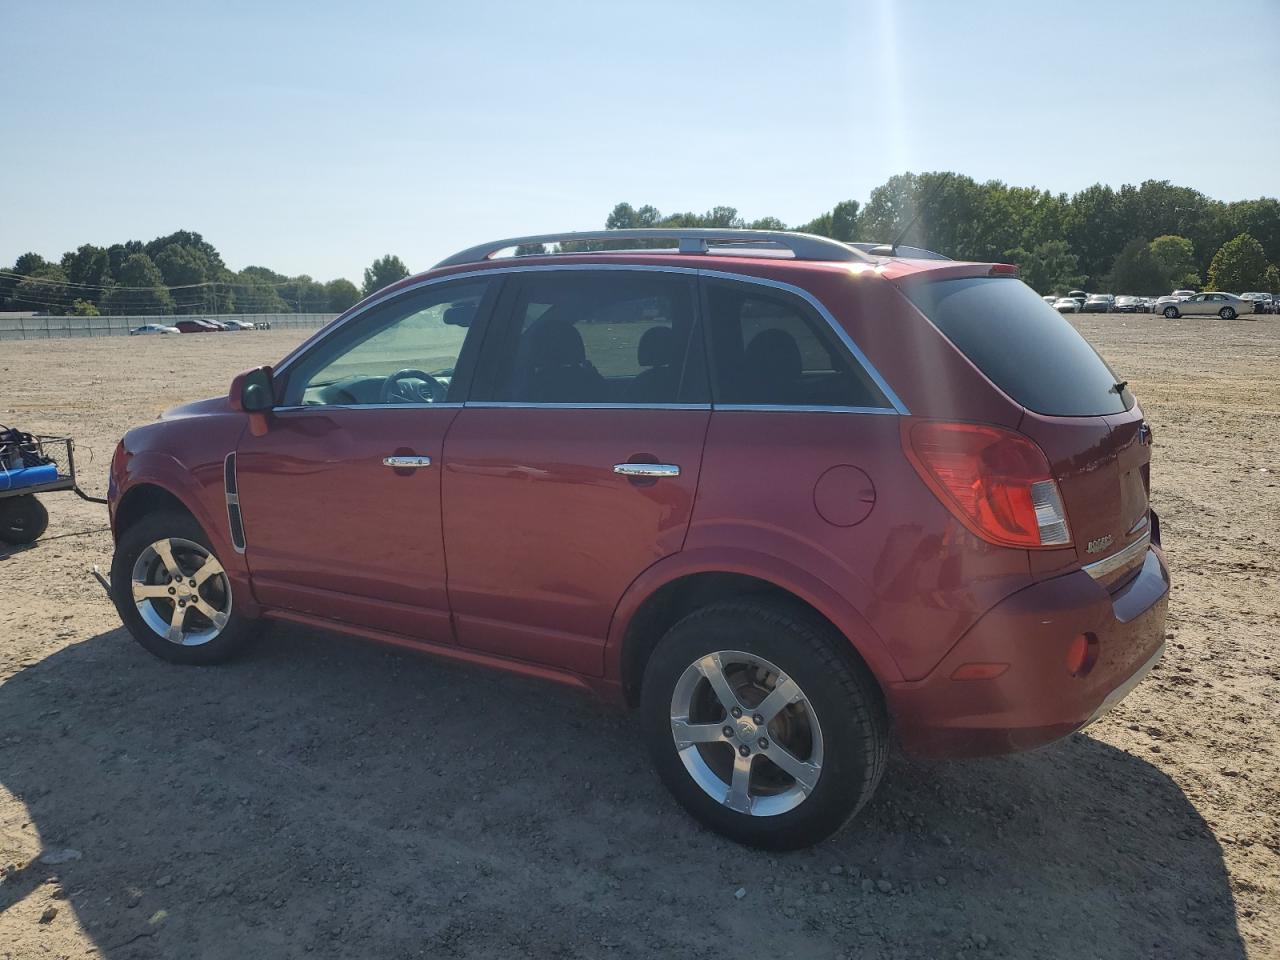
(48, 328)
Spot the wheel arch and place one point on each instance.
(657, 600)
(144, 498)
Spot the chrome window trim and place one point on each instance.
(521, 404)
(1120, 558)
(297, 407)
(799, 408)
(896, 403)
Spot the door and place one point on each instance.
(573, 467)
(1199, 304)
(340, 495)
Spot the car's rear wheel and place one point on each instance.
(1171, 313)
(761, 725)
(173, 593)
(1226, 313)
(22, 519)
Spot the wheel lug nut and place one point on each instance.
(764, 744)
(758, 719)
(172, 591)
(192, 582)
(744, 750)
(737, 712)
(727, 731)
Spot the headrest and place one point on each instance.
(460, 314)
(774, 353)
(657, 347)
(556, 345)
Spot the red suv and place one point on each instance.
(787, 497)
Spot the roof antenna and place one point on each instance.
(891, 249)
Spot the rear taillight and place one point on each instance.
(995, 481)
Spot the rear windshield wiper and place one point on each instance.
(1119, 387)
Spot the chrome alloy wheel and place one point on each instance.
(746, 733)
(181, 591)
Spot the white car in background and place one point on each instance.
(237, 324)
(1225, 305)
(1067, 305)
(148, 329)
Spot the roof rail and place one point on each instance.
(803, 246)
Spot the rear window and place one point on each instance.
(1024, 346)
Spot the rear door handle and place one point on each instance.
(406, 463)
(647, 469)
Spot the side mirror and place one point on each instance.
(251, 391)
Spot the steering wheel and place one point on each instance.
(396, 390)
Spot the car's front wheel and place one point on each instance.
(173, 593)
(763, 723)
(1171, 313)
(1226, 313)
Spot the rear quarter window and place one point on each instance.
(1023, 345)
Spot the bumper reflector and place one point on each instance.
(1082, 654)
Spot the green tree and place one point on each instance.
(140, 288)
(84, 308)
(1240, 264)
(1177, 259)
(383, 272)
(118, 253)
(304, 294)
(44, 289)
(256, 290)
(88, 269)
(1050, 267)
(340, 295)
(1271, 280)
(1137, 270)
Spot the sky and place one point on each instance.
(314, 137)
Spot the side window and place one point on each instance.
(772, 349)
(404, 351)
(599, 337)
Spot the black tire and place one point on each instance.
(233, 637)
(1171, 313)
(840, 690)
(1226, 313)
(22, 519)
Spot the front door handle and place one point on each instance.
(406, 463)
(647, 469)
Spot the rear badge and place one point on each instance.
(1097, 546)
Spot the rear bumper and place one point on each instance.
(1036, 699)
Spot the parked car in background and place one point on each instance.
(262, 325)
(192, 325)
(1225, 305)
(1126, 304)
(232, 324)
(1050, 299)
(1098, 303)
(148, 329)
(1078, 295)
(1183, 294)
(1261, 301)
(1067, 305)
(787, 512)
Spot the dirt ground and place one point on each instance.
(324, 797)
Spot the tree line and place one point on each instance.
(181, 273)
(1146, 239)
